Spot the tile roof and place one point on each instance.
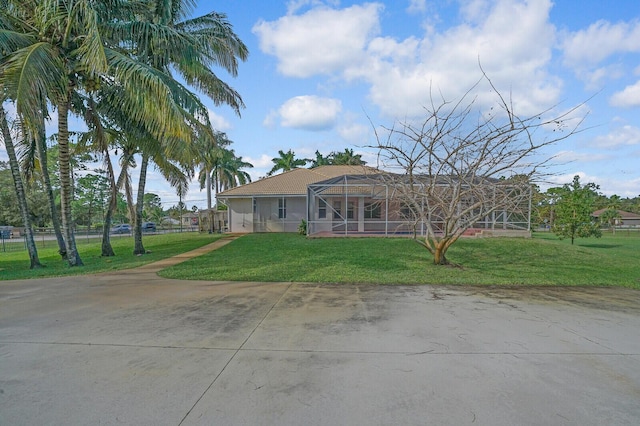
(623, 214)
(293, 182)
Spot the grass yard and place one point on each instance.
(542, 260)
(15, 265)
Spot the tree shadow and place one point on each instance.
(602, 246)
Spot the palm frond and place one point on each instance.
(32, 75)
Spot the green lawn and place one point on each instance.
(543, 260)
(15, 265)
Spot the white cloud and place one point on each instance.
(294, 5)
(271, 119)
(261, 165)
(310, 112)
(354, 133)
(320, 41)
(260, 162)
(567, 178)
(417, 6)
(621, 136)
(628, 97)
(219, 122)
(595, 77)
(512, 39)
(579, 157)
(601, 40)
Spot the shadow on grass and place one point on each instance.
(602, 246)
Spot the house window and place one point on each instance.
(407, 212)
(372, 211)
(322, 209)
(351, 207)
(282, 208)
(255, 205)
(337, 210)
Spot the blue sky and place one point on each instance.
(319, 70)
(320, 73)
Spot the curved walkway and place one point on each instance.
(133, 348)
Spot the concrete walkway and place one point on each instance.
(130, 348)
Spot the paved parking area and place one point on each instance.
(131, 348)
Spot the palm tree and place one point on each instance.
(59, 47)
(50, 48)
(177, 176)
(321, 160)
(286, 161)
(227, 171)
(34, 261)
(168, 43)
(100, 139)
(35, 156)
(347, 158)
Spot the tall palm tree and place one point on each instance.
(286, 161)
(227, 171)
(35, 156)
(34, 261)
(178, 175)
(168, 43)
(50, 46)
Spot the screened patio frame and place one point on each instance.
(363, 190)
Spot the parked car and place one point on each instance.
(123, 228)
(148, 227)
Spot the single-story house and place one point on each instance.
(333, 200)
(276, 203)
(626, 219)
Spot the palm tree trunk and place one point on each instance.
(209, 213)
(107, 249)
(41, 151)
(19, 187)
(137, 235)
(128, 193)
(73, 257)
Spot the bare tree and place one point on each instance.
(464, 165)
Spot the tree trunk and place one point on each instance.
(128, 193)
(73, 257)
(34, 262)
(41, 150)
(107, 250)
(138, 247)
(439, 254)
(209, 213)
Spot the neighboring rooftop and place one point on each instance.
(623, 214)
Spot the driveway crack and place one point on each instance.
(234, 354)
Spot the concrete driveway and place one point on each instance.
(134, 349)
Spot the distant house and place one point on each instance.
(335, 200)
(190, 220)
(213, 220)
(626, 219)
